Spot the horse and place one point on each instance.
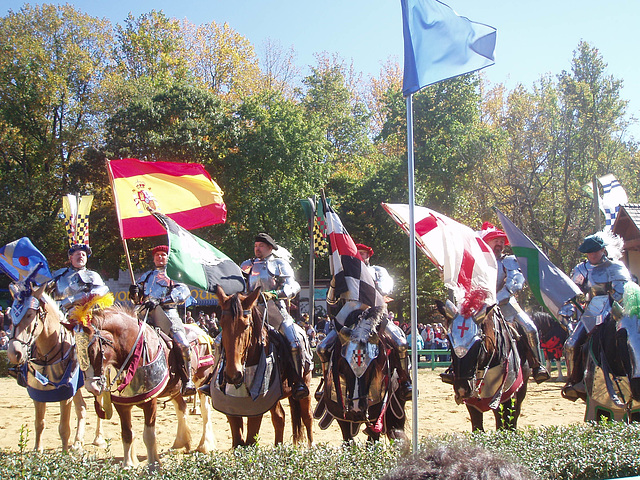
(488, 362)
(612, 369)
(128, 363)
(44, 352)
(249, 378)
(360, 382)
(552, 338)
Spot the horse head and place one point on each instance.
(240, 332)
(472, 342)
(28, 313)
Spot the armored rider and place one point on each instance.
(510, 282)
(274, 274)
(601, 278)
(160, 296)
(76, 284)
(384, 285)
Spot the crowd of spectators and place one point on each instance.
(5, 319)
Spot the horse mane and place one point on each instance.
(52, 305)
(543, 320)
(369, 322)
(99, 316)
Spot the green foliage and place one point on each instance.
(580, 452)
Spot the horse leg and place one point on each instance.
(81, 417)
(559, 365)
(476, 417)
(183, 435)
(41, 410)
(253, 428)
(237, 430)
(64, 428)
(208, 440)
(277, 419)
(150, 410)
(306, 416)
(129, 458)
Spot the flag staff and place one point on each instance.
(413, 277)
(312, 266)
(124, 240)
(596, 204)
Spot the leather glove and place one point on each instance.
(270, 295)
(150, 305)
(134, 292)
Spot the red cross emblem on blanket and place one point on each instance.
(359, 356)
(463, 328)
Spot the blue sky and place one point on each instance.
(534, 37)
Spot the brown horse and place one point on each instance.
(489, 367)
(360, 383)
(45, 353)
(249, 380)
(147, 369)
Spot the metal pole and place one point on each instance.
(414, 282)
(596, 204)
(312, 267)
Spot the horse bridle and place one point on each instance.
(38, 318)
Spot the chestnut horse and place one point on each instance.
(489, 367)
(147, 369)
(360, 381)
(249, 381)
(45, 354)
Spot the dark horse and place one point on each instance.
(249, 378)
(128, 363)
(612, 372)
(552, 338)
(45, 353)
(489, 369)
(360, 382)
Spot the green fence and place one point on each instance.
(432, 354)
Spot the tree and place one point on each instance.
(52, 62)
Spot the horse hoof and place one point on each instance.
(99, 442)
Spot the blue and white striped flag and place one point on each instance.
(613, 195)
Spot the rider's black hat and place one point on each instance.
(266, 238)
(80, 246)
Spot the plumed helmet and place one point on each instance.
(80, 246)
(489, 232)
(160, 248)
(266, 238)
(592, 243)
(362, 246)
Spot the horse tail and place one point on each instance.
(296, 420)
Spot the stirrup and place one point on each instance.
(448, 376)
(188, 388)
(299, 391)
(541, 374)
(574, 391)
(405, 391)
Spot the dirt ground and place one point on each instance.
(437, 414)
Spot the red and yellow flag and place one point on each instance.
(182, 191)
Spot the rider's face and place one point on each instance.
(595, 257)
(160, 259)
(365, 256)
(262, 250)
(497, 245)
(78, 259)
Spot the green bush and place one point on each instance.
(579, 452)
(4, 364)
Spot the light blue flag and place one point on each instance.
(439, 44)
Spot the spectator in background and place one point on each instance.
(6, 321)
(4, 340)
(188, 318)
(419, 342)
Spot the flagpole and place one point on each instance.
(414, 282)
(124, 240)
(312, 266)
(596, 203)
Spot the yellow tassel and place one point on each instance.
(83, 314)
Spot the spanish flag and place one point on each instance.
(182, 191)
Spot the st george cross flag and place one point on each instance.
(440, 44)
(549, 285)
(195, 262)
(352, 280)
(464, 260)
(182, 191)
(613, 195)
(19, 258)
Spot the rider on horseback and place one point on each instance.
(275, 275)
(510, 282)
(384, 285)
(160, 296)
(602, 280)
(76, 284)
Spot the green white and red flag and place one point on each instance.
(551, 287)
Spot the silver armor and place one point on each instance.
(384, 282)
(601, 284)
(510, 282)
(75, 286)
(276, 275)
